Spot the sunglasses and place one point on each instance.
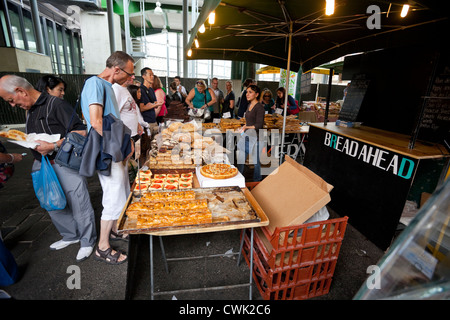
(266, 96)
(129, 74)
(200, 83)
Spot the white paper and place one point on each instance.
(33, 137)
(226, 115)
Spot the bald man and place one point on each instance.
(52, 115)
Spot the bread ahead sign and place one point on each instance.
(383, 159)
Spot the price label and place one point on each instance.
(226, 115)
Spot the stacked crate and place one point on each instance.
(295, 262)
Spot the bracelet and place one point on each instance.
(12, 158)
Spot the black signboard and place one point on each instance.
(371, 184)
(305, 83)
(435, 124)
(354, 98)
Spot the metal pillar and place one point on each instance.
(112, 41)
(37, 26)
(185, 38)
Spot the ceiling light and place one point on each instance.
(212, 17)
(189, 53)
(158, 9)
(202, 28)
(196, 43)
(404, 10)
(329, 8)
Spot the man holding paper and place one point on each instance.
(51, 115)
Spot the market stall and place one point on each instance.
(184, 188)
(169, 197)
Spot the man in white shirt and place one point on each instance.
(129, 111)
(181, 90)
(216, 107)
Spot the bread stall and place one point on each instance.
(168, 197)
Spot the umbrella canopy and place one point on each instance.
(259, 31)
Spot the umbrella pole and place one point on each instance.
(327, 108)
(288, 72)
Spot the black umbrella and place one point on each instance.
(298, 35)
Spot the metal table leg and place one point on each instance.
(163, 254)
(251, 265)
(152, 289)
(151, 267)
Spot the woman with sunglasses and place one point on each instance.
(201, 97)
(267, 101)
(248, 142)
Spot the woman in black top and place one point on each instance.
(228, 101)
(254, 121)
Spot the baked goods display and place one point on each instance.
(275, 121)
(14, 135)
(161, 181)
(218, 171)
(189, 207)
(231, 124)
(177, 110)
(182, 146)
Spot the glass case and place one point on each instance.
(417, 265)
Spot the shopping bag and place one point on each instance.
(47, 187)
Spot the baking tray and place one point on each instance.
(124, 225)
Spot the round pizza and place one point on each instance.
(218, 171)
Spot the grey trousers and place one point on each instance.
(77, 220)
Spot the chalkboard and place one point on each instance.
(305, 83)
(435, 123)
(354, 98)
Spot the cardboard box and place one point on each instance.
(291, 194)
(205, 182)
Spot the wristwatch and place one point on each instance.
(55, 146)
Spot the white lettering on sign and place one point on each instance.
(382, 159)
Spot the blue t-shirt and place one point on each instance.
(98, 91)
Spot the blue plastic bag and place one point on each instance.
(47, 187)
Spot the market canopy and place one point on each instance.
(260, 31)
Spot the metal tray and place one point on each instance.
(128, 226)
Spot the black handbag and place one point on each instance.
(71, 151)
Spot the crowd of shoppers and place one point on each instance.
(141, 107)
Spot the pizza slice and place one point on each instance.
(168, 186)
(14, 135)
(184, 185)
(155, 186)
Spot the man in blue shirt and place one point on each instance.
(148, 105)
(98, 99)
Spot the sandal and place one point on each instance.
(116, 236)
(107, 257)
